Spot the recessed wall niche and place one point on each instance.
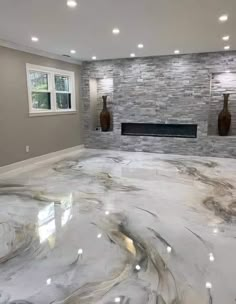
(222, 82)
(99, 87)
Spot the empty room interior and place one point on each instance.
(117, 151)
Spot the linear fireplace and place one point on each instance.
(159, 130)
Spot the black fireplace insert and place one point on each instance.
(159, 130)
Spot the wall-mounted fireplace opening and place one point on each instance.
(159, 130)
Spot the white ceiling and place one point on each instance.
(161, 25)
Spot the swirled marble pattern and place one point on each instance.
(107, 227)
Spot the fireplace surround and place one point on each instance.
(159, 130)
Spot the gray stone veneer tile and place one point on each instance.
(171, 89)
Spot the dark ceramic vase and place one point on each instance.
(224, 119)
(105, 117)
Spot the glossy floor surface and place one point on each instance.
(114, 227)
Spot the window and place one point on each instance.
(50, 90)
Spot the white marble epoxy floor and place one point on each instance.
(108, 227)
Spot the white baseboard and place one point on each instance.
(35, 161)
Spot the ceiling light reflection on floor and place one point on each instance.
(211, 257)
(208, 285)
(80, 251)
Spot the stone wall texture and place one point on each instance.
(165, 89)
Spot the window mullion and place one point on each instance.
(53, 92)
(72, 92)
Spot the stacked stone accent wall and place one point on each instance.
(166, 89)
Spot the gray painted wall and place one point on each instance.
(171, 89)
(43, 134)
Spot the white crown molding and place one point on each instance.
(34, 162)
(27, 49)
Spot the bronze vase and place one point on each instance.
(105, 117)
(224, 119)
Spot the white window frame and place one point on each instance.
(52, 72)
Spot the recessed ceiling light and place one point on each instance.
(176, 51)
(140, 45)
(227, 47)
(73, 51)
(94, 58)
(223, 18)
(227, 71)
(71, 3)
(132, 55)
(35, 39)
(116, 31)
(225, 38)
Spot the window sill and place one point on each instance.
(52, 113)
